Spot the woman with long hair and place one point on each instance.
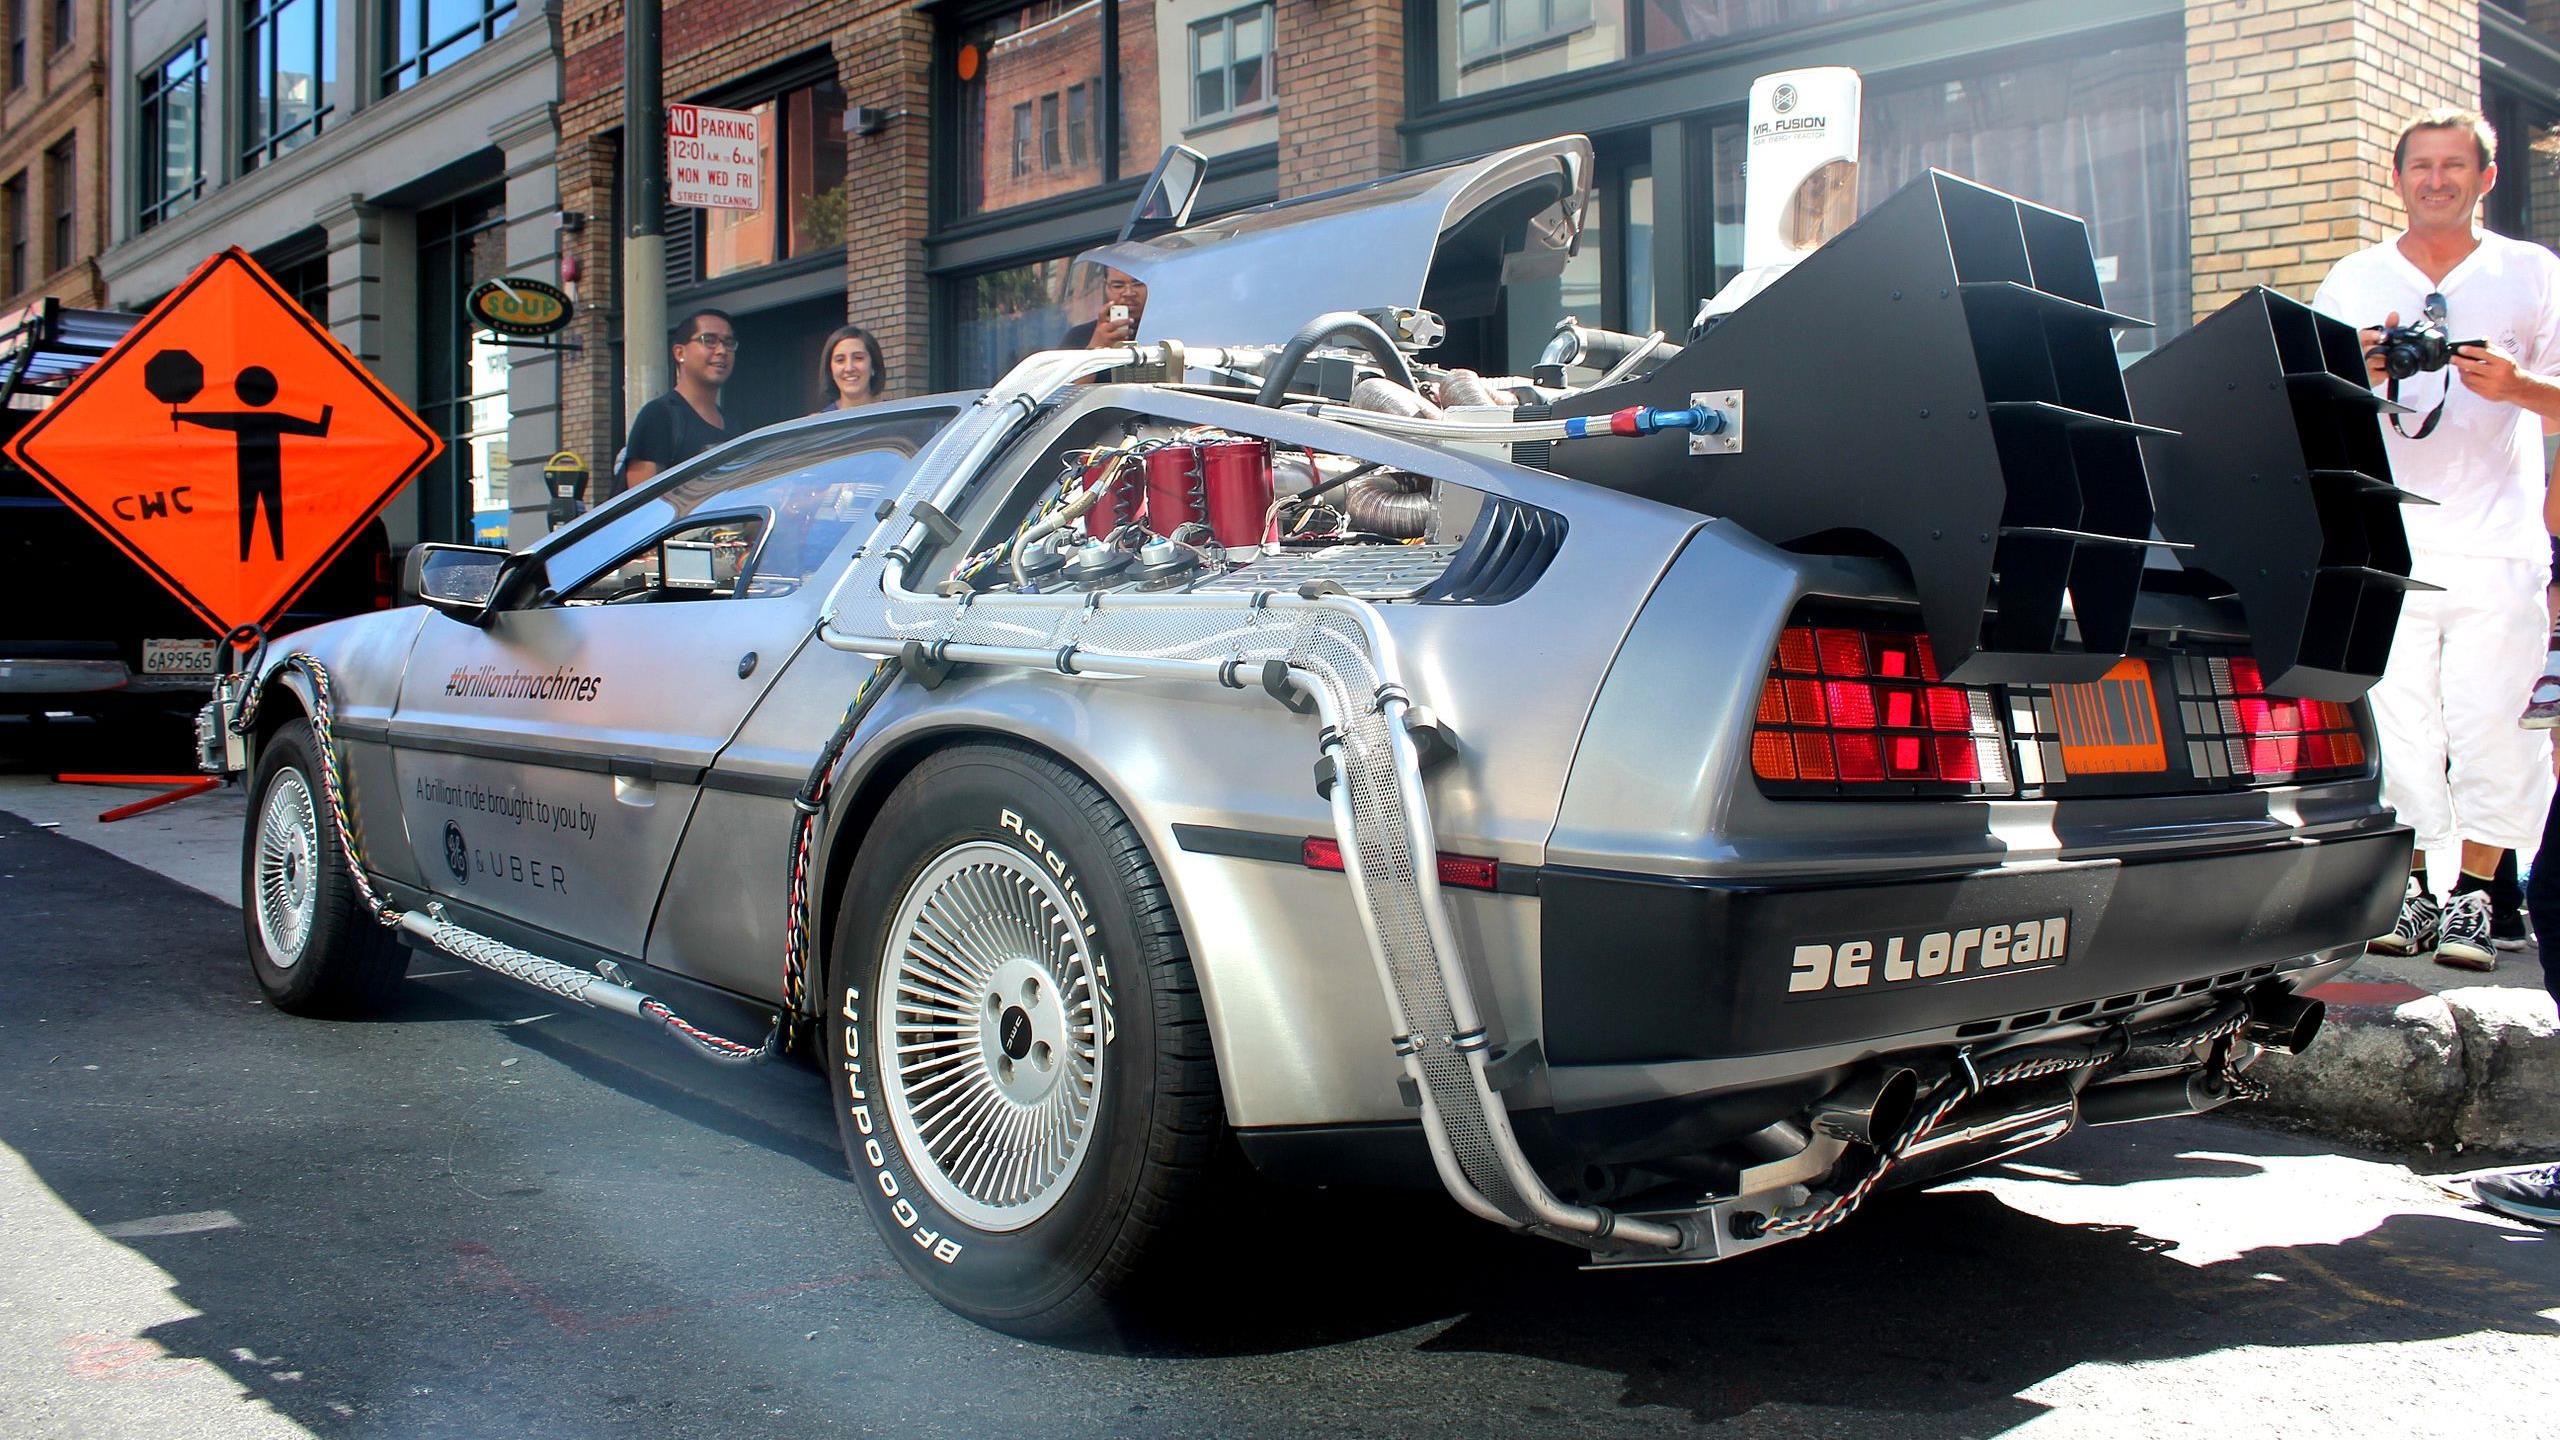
(850, 369)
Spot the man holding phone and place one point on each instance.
(1124, 304)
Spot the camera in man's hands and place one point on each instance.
(2417, 349)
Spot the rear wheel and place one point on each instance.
(313, 946)
(1020, 1062)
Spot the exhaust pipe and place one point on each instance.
(1871, 1109)
(2282, 1020)
(2193, 1093)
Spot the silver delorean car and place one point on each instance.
(1659, 799)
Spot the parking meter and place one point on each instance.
(567, 476)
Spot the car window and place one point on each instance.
(708, 561)
(813, 488)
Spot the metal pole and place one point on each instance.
(644, 241)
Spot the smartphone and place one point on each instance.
(1118, 315)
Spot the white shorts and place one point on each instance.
(2455, 763)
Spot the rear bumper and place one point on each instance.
(47, 676)
(1646, 970)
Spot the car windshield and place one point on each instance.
(814, 485)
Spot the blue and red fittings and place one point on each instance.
(1646, 420)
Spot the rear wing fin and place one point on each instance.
(2274, 468)
(1941, 378)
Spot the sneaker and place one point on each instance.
(2542, 707)
(2463, 942)
(2525, 1194)
(2507, 928)
(2414, 933)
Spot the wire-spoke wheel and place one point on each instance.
(994, 1035)
(285, 885)
(1020, 1063)
(312, 945)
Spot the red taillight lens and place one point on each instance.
(1467, 872)
(2276, 738)
(1846, 708)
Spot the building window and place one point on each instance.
(13, 213)
(1231, 63)
(1079, 121)
(289, 59)
(1050, 157)
(420, 37)
(1022, 139)
(1488, 45)
(800, 134)
(1491, 28)
(17, 44)
(62, 26)
(59, 187)
(171, 107)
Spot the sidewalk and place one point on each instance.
(2420, 1054)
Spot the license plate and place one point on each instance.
(177, 657)
(2111, 726)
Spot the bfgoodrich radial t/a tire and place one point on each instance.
(313, 947)
(1021, 1068)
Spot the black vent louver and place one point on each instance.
(1504, 553)
(2278, 480)
(1942, 378)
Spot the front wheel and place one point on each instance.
(312, 945)
(1020, 1062)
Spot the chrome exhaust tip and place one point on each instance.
(1872, 1108)
(2282, 1020)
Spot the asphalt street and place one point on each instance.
(480, 1216)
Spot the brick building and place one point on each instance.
(53, 147)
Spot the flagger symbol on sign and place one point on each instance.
(175, 377)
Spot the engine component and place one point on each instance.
(1391, 503)
(1176, 490)
(1238, 491)
(1096, 562)
(1124, 494)
(1162, 562)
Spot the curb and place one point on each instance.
(2475, 1068)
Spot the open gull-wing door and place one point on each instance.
(1446, 239)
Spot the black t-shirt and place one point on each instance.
(667, 432)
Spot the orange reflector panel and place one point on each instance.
(2111, 726)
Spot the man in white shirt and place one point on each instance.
(2455, 763)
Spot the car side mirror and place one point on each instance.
(471, 583)
(1164, 203)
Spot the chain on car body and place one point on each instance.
(431, 925)
(2217, 1029)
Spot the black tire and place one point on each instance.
(970, 835)
(314, 947)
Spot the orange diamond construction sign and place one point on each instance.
(229, 444)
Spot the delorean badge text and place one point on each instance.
(1936, 956)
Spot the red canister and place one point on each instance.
(1239, 489)
(1174, 488)
(1119, 504)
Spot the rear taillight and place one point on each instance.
(2236, 730)
(1849, 711)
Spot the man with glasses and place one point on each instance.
(686, 420)
(2455, 763)
(1124, 304)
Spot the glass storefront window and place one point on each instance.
(999, 316)
(2100, 136)
(802, 208)
(1015, 70)
(1676, 24)
(1490, 44)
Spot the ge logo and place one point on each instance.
(457, 853)
(1783, 99)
